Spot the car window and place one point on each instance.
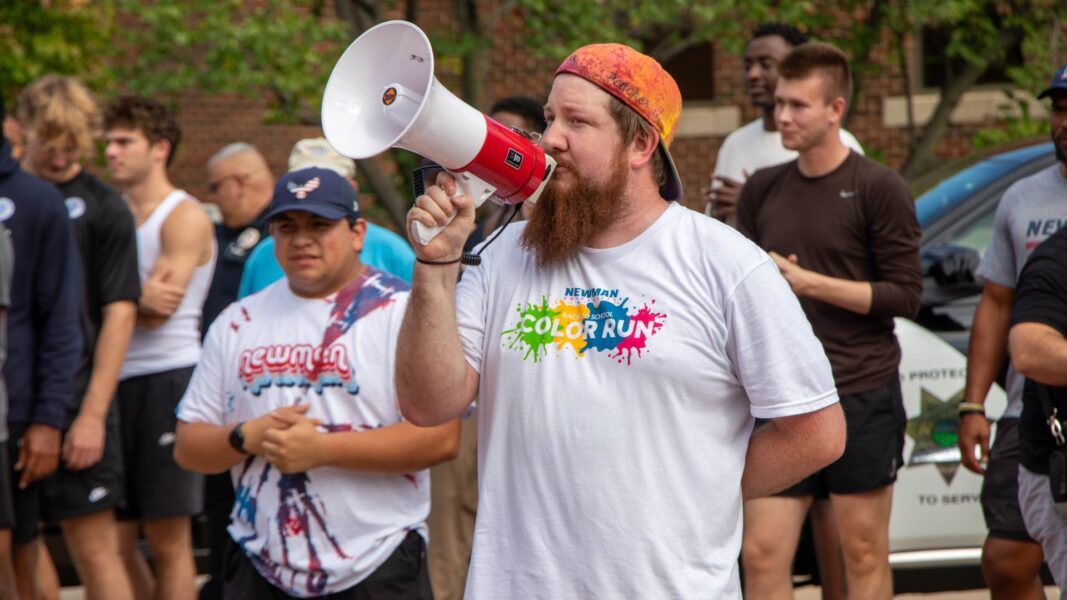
(957, 188)
(976, 234)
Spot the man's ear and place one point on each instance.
(838, 107)
(161, 149)
(643, 147)
(13, 128)
(359, 228)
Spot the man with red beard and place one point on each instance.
(619, 347)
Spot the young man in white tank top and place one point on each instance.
(176, 259)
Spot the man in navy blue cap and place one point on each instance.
(294, 396)
(1030, 211)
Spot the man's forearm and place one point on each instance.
(853, 296)
(205, 448)
(1039, 352)
(786, 450)
(400, 448)
(988, 346)
(432, 379)
(115, 333)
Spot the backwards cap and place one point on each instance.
(642, 84)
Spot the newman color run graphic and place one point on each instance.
(581, 321)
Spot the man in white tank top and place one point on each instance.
(176, 258)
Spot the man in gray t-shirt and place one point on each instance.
(1030, 211)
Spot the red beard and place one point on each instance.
(566, 219)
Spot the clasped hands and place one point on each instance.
(796, 276)
(286, 438)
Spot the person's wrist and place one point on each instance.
(253, 431)
(90, 411)
(807, 281)
(445, 261)
(970, 408)
(320, 449)
(237, 438)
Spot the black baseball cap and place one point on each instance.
(1058, 84)
(315, 190)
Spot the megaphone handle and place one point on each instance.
(466, 184)
(424, 234)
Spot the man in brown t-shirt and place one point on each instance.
(843, 231)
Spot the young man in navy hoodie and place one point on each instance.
(60, 120)
(44, 341)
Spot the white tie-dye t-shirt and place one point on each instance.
(325, 530)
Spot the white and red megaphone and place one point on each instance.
(383, 94)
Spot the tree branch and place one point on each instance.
(922, 156)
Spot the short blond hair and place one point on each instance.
(59, 109)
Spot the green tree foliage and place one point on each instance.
(283, 50)
(981, 34)
(37, 38)
(663, 28)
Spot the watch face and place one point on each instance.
(237, 439)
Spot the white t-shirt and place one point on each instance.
(264, 352)
(751, 147)
(616, 404)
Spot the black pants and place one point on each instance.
(403, 576)
(218, 502)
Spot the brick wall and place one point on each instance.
(211, 122)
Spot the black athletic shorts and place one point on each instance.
(69, 494)
(1000, 486)
(403, 576)
(156, 487)
(23, 502)
(874, 450)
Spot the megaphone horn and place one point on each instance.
(382, 94)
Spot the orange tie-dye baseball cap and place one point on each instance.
(639, 81)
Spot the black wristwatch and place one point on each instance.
(237, 438)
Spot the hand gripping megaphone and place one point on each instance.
(383, 94)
